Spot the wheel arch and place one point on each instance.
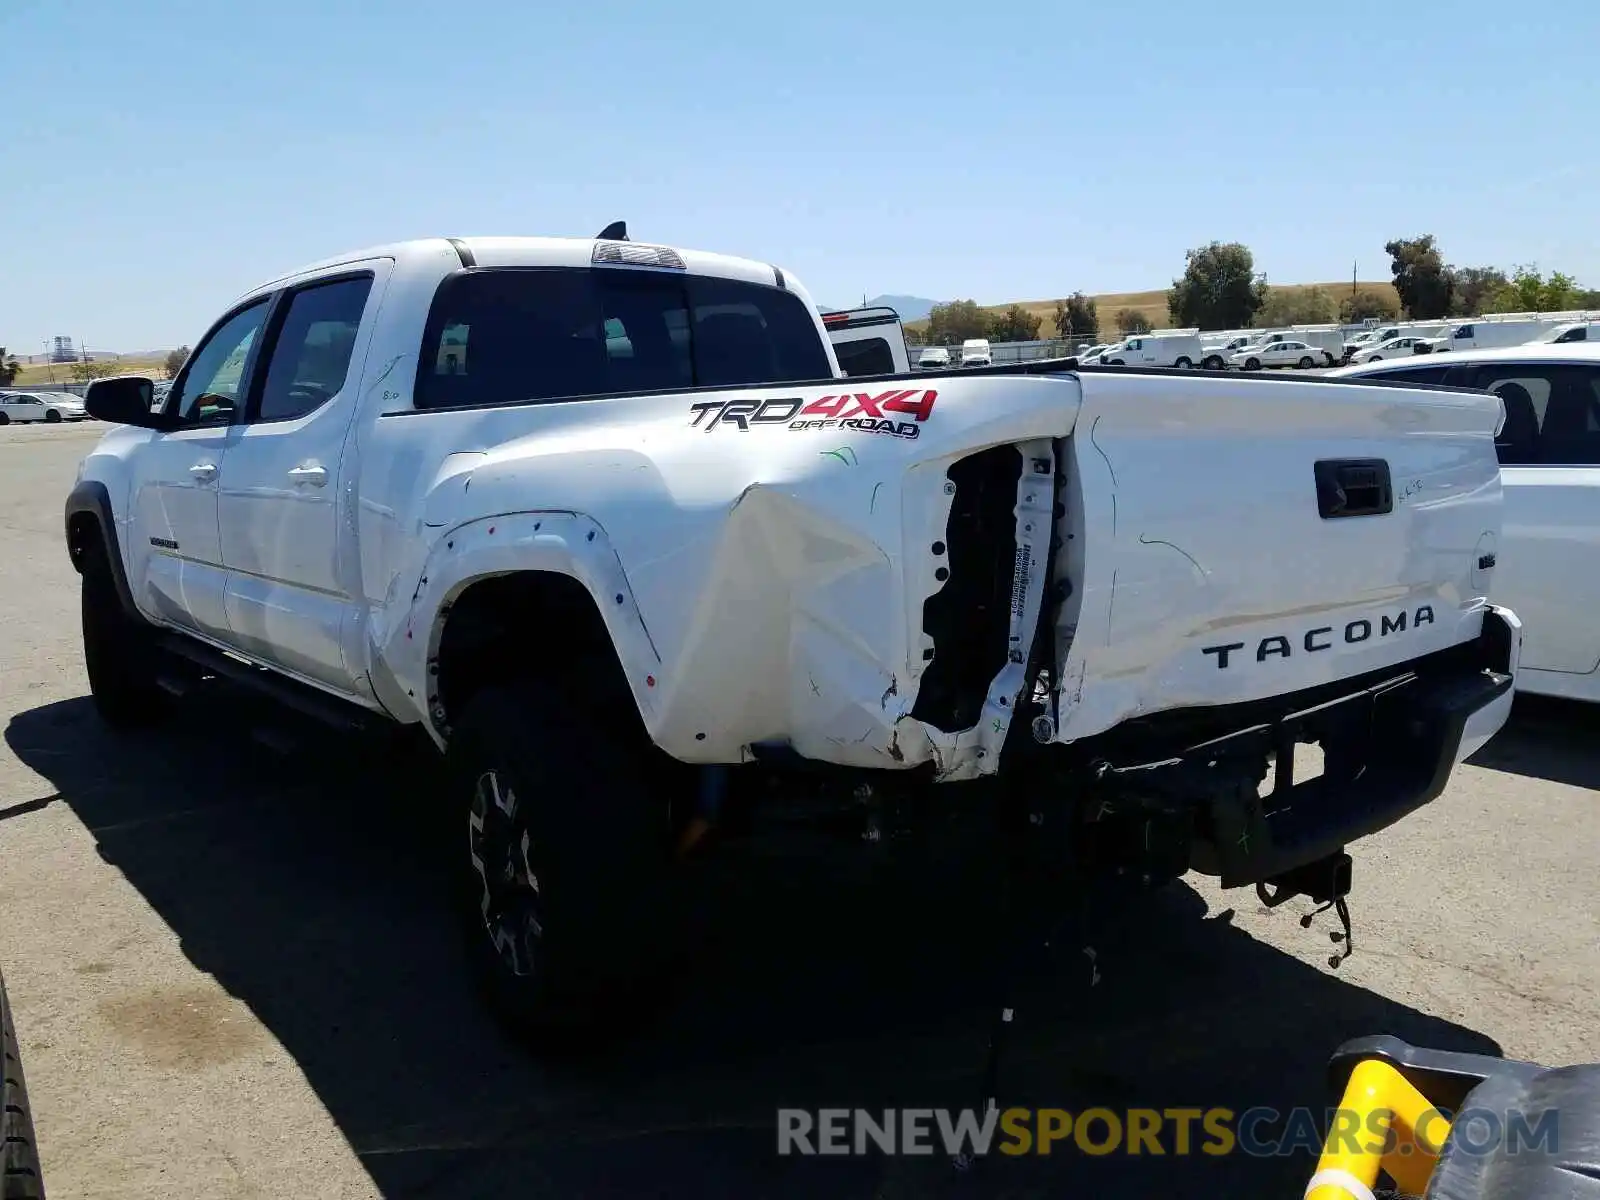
(531, 595)
(90, 522)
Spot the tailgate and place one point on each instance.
(1234, 538)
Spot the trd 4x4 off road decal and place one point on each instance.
(847, 410)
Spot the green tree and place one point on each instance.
(1474, 287)
(1076, 317)
(1016, 324)
(1530, 291)
(1586, 298)
(1131, 322)
(10, 368)
(174, 361)
(86, 370)
(1420, 276)
(957, 321)
(1559, 291)
(1219, 288)
(1367, 304)
(1290, 306)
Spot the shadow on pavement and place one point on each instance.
(1549, 739)
(311, 889)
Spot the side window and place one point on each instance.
(1525, 390)
(500, 336)
(1570, 432)
(311, 353)
(870, 356)
(1433, 374)
(745, 333)
(212, 385)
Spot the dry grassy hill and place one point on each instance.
(1153, 304)
(36, 374)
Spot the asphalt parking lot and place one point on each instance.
(233, 976)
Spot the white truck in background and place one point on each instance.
(1370, 338)
(975, 352)
(868, 341)
(605, 525)
(1160, 348)
(1571, 331)
(1486, 333)
(1221, 346)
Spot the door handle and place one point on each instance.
(306, 473)
(205, 472)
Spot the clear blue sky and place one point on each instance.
(163, 156)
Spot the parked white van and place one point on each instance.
(1168, 348)
(975, 353)
(1486, 334)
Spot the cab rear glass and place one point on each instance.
(509, 335)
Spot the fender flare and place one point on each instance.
(89, 496)
(559, 543)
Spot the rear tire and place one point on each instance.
(561, 846)
(1184, 364)
(5, 418)
(20, 1177)
(119, 651)
(1307, 363)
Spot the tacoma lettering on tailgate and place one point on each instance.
(1322, 637)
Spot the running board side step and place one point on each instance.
(338, 715)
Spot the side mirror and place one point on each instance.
(123, 400)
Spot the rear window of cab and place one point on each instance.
(508, 335)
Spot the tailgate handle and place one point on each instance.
(1353, 487)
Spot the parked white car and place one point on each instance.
(1395, 347)
(1548, 552)
(1284, 353)
(1093, 353)
(40, 406)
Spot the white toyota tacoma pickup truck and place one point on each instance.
(608, 524)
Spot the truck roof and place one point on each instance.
(859, 318)
(519, 251)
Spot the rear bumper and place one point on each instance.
(1388, 750)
